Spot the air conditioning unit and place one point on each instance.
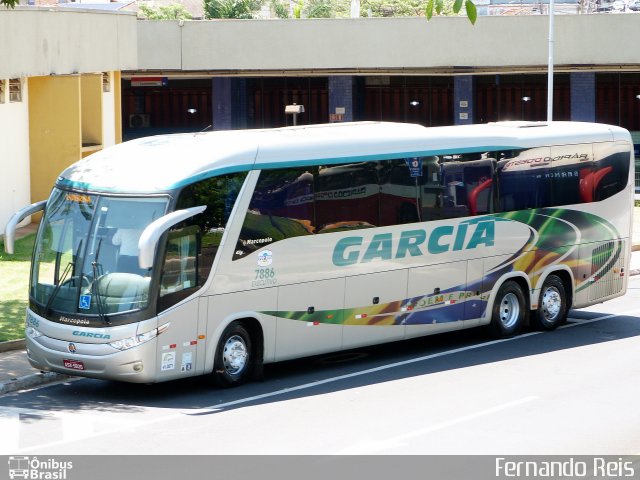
(139, 120)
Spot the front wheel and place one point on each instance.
(552, 305)
(509, 310)
(234, 356)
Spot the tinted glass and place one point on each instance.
(192, 245)
(347, 197)
(282, 206)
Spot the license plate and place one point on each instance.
(74, 364)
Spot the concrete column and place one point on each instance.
(341, 96)
(239, 103)
(221, 98)
(583, 96)
(229, 97)
(463, 98)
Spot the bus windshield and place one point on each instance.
(86, 254)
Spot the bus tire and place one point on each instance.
(552, 305)
(509, 310)
(234, 356)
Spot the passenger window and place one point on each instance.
(573, 175)
(282, 206)
(467, 185)
(431, 192)
(524, 179)
(611, 169)
(347, 197)
(399, 191)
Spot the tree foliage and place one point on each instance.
(279, 9)
(393, 8)
(175, 11)
(319, 9)
(231, 8)
(382, 8)
(439, 8)
(9, 3)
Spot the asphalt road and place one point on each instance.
(572, 391)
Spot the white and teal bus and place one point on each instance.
(215, 253)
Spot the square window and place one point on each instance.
(15, 90)
(106, 82)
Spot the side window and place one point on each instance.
(467, 185)
(524, 179)
(572, 174)
(399, 191)
(192, 245)
(431, 190)
(282, 206)
(347, 197)
(611, 169)
(180, 262)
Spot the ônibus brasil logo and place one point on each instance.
(38, 469)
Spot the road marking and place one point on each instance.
(10, 428)
(599, 319)
(218, 407)
(399, 441)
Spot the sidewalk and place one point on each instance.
(17, 374)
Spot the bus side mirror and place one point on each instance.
(10, 230)
(150, 236)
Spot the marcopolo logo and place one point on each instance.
(414, 243)
(38, 469)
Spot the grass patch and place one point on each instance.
(14, 285)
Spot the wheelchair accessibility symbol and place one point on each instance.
(85, 302)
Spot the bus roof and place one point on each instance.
(166, 162)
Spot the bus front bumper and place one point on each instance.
(135, 365)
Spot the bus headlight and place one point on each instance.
(32, 332)
(131, 342)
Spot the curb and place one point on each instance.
(12, 345)
(29, 381)
(26, 381)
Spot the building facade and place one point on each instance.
(60, 94)
(73, 82)
(241, 74)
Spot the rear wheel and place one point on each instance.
(509, 310)
(552, 304)
(234, 356)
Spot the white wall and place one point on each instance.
(44, 41)
(409, 45)
(14, 153)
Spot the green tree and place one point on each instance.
(9, 3)
(231, 8)
(279, 9)
(319, 9)
(393, 8)
(175, 11)
(439, 8)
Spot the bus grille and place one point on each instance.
(607, 279)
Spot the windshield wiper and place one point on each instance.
(71, 265)
(66, 271)
(96, 267)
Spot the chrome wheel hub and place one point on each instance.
(234, 355)
(551, 303)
